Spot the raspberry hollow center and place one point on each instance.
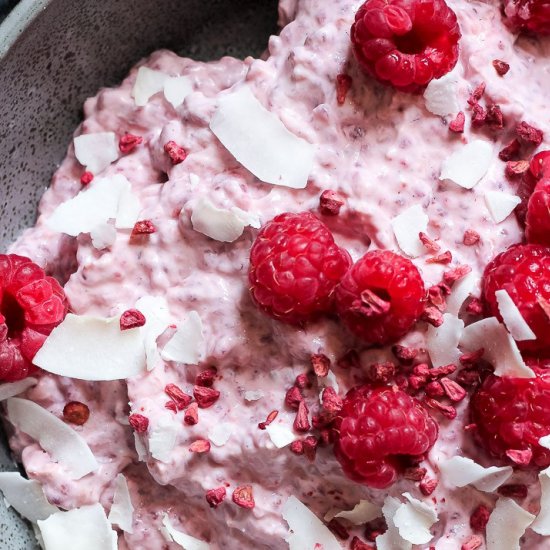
(13, 313)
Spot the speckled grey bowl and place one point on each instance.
(56, 53)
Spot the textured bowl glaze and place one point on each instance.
(55, 54)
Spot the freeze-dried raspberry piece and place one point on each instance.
(244, 497)
(139, 423)
(176, 153)
(132, 318)
(528, 15)
(215, 497)
(76, 413)
(129, 142)
(343, 86)
(501, 67)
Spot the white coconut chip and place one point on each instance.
(253, 395)
(545, 441)
(407, 226)
(461, 292)
(63, 444)
(220, 433)
(280, 435)
(26, 496)
(103, 235)
(84, 528)
(187, 344)
(260, 141)
(148, 83)
(442, 342)
(307, 531)
(218, 223)
(363, 512)
(328, 381)
(508, 522)
(500, 205)
(162, 438)
(541, 525)
(96, 151)
(500, 349)
(141, 450)
(391, 539)
(92, 348)
(441, 95)
(122, 510)
(185, 541)
(459, 471)
(514, 321)
(129, 207)
(467, 166)
(414, 519)
(12, 389)
(155, 310)
(176, 89)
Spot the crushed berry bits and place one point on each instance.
(343, 86)
(406, 43)
(501, 67)
(457, 124)
(244, 497)
(531, 16)
(205, 397)
(191, 416)
(330, 203)
(76, 413)
(176, 153)
(180, 399)
(86, 178)
(129, 142)
(139, 423)
(200, 446)
(131, 318)
(144, 227)
(529, 134)
(215, 497)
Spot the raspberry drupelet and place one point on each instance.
(31, 306)
(406, 43)
(511, 415)
(381, 297)
(527, 15)
(537, 222)
(295, 266)
(377, 430)
(523, 271)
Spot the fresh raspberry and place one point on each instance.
(537, 222)
(377, 430)
(539, 168)
(512, 414)
(528, 15)
(31, 306)
(381, 297)
(406, 43)
(524, 272)
(295, 266)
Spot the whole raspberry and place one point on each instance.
(524, 272)
(381, 297)
(31, 306)
(512, 414)
(406, 43)
(376, 432)
(528, 15)
(537, 222)
(539, 168)
(294, 267)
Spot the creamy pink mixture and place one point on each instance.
(382, 151)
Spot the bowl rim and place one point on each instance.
(17, 21)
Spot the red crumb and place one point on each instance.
(445, 410)
(501, 67)
(475, 306)
(511, 151)
(297, 447)
(270, 418)
(343, 86)
(206, 377)
(516, 168)
(495, 118)
(434, 389)
(176, 153)
(479, 518)
(131, 318)
(144, 227)
(200, 446)
(86, 178)
(310, 445)
(529, 134)
(321, 364)
(430, 244)
(243, 497)
(191, 416)
(215, 497)
(471, 237)
(520, 457)
(330, 203)
(445, 258)
(301, 422)
(479, 115)
(428, 486)
(477, 94)
(453, 391)
(205, 397)
(445, 370)
(293, 398)
(415, 473)
(76, 413)
(404, 354)
(433, 316)
(139, 423)
(128, 142)
(450, 277)
(302, 381)
(382, 372)
(331, 401)
(473, 543)
(457, 124)
(177, 395)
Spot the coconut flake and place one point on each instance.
(15, 388)
(508, 522)
(129, 207)
(414, 519)
(220, 433)
(467, 166)
(280, 435)
(96, 151)
(514, 321)
(361, 513)
(541, 525)
(185, 541)
(92, 348)
(253, 395)
(460, 293)
(391, 539)
(407, 226)
(260, 141)
(442, 342)
(218, 223)
(155, 310)
(26, 496)
(162, 438)
(307, 531)
(84, 528)
(176, 89)
(64, 445)
(500, 204)
(441, 95)
(459, 471)
(500, 349)
(141, 450)
(148, 83)
(122, 510)
(103, 235)
(187, 344)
